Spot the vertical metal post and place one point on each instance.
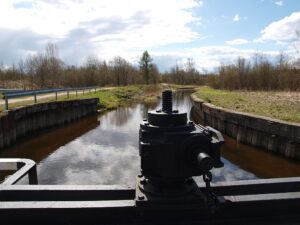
(56, 95)
(32, 176)
(35, 100)
(6, 103)
(32, 173)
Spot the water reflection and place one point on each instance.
(89, 153)
(105, 155)
(40, 146)
(259, 162)
(43, 145)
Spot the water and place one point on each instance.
(104, 150)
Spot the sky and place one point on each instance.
(211, 32)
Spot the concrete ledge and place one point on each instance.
(259, 131)
(18, 122)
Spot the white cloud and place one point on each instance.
(209, 57)
(279, 3)
(237, 18)
(281, 30)
(104, 28)
(238, 41)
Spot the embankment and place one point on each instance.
(273, 135)
(19, 122)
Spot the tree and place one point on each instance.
(54, 65)
(120, 70)
(145, 66)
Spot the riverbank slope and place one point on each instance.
(282, 105)
(274, 135)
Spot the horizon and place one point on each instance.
(209, 32)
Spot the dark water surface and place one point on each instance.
(104, 150)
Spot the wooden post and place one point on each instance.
(56, 95)
(68, 96)
(76, 92)
(35, 99)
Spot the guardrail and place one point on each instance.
(19, 93)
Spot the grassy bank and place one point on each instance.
(114, 97)
(110, 98)
(279, 105)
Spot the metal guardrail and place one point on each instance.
(19, 93)
(22, 166)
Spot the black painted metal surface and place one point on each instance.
(97, 204)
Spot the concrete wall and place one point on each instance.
(18, 122)
(270, 134)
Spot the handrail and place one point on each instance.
(23, 167)
(34, 93)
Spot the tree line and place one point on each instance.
(47, 70)
(259, 73)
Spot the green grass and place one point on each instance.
(279, 105)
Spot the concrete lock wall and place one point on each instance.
(18, 122)
(270, 134)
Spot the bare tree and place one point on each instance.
(120, 70)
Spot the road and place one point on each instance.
(45, 96)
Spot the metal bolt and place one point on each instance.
(143, 181)
(141, 197)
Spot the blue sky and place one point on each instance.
(209, 31)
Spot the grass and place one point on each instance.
(275, 104)
(110, 98)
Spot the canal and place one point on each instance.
(103, 149)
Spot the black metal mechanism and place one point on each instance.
(172, 150)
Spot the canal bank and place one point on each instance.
(273, 135)
(20, 122)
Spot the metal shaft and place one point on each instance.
(167, 101)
